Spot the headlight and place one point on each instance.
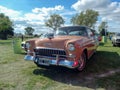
(71, 47)
(23, 44)
(115, 38)
(27, 45)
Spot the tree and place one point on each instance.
(103, 28)
(29, 31)
(54, 21)
(87, 18)
(5, 26)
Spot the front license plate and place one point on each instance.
(44, 61)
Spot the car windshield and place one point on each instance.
(47, 35)
(118, 34)
(72, 31)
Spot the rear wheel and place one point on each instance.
(82, 62)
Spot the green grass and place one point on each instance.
(110, 83)
(17, 74)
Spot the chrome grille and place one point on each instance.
(50, 52)
(118, 40)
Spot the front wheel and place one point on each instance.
(114, 45)
(82, 62)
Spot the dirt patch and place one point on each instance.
(108, 73)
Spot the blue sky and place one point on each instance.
(35, 12)
(28, 5)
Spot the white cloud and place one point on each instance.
(36, 23)
(68, 13)
(39, 15)
(47, 11)
(109, 11)
(18, 28)
(36, 18)
(89, 4)
(9, 12)
(32, 16)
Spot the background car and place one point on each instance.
(116, 39)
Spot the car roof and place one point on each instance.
(74, 26)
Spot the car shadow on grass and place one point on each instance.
(101, 44)
(99, 63)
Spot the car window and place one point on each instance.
(74, 33)
(61, 32)
(77, 31)
(118, 34)
(89, 32)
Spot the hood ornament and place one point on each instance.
(47, 44)
(50, 35)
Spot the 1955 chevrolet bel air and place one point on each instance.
(70, 47)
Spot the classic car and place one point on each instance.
(116, 39)
(70, 47)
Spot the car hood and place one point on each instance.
(57, 42)
(32, 40)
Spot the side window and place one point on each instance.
(89, 32)
(84, 33)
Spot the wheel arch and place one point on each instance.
(86, 53)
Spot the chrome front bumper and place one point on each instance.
(29, 58)
(60, 62)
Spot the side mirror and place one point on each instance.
(92, 34)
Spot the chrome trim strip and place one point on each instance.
(29, 58)
(50, 48)
(56, 56)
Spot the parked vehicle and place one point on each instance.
(99, 37)
(116, 39)
(70, 47)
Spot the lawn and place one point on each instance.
(17, 74)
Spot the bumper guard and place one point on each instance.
(60, 62)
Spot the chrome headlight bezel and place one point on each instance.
(71, 47)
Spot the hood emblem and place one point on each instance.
(47, 44)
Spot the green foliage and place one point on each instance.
(17, 45)
(54, 21)
(88, 18)
(5, 26)
(29, 31)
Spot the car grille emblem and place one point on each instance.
(47, 44)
